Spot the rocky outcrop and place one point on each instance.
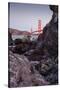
(22, 46)
(22, 72)
(50, 33)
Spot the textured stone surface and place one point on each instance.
(22, 72)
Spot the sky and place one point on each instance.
(25, 16)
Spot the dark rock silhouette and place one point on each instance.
(22, 46)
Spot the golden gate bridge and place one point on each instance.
(38, 31)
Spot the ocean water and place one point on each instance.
(17, 36)
(32, 37)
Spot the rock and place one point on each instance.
(48, 66)
(50, 33)
(20, 46)
(17, 41)
(20, 72)
(54, 8)
(23, 46)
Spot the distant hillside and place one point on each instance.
(18, 32)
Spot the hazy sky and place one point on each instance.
(26, 16)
